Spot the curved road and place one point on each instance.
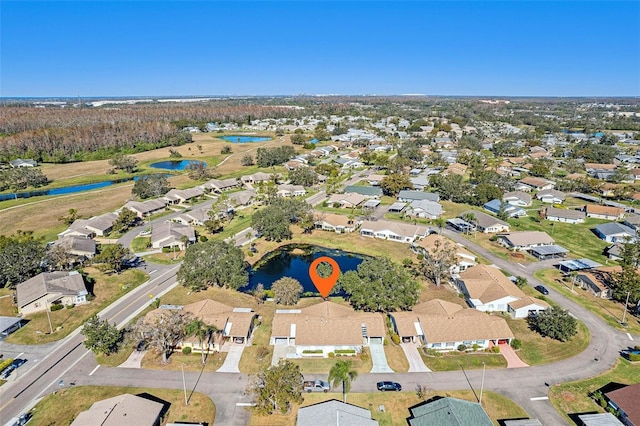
(69, 361)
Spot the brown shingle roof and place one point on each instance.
(526, 238)
(487, 284)
(526, 301)
(627, 398)
(603, 210)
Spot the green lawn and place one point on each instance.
(140, 244)
(573, 398)
(61, 407)
(323, 365)
(455, 360)
(579, 238)
(610, 311)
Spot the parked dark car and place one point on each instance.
(542, 289)
(389, 386)
(142, 346)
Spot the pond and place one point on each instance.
(176, 164)
(293, 261)
(244, 139)
(64, 190)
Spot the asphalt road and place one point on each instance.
(70, 362)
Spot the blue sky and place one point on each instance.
(477, 48)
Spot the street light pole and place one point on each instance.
(482, 384)
(184, 386)
(46, 308)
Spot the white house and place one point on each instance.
(393, 231)
(487, 289)
(564, 215)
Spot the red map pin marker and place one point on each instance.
(324, 285)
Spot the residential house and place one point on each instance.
(196, 217)
(599, 419)
(635, 173)
(242, 198)
(236, 324)
(551, 196)
(450, 412)
(432, 243)
(120, 410)
(424, 209)
(89, 228)
(19, 162)
(568, 266)
(563, 215)
(407, 195)
(334, 413)
(146, 208)
(443, 326)
(496, 206)
(598, 281)
(346, 200)
(486, 223)
(613, 232)
(526, 307)
(257, 177)
(374, 180)
(537, 184)
(80, 247)
(393, 231)
(8, 325)
(326, 327)
(624, 402)
(600, 171)
(603, 212)
(366, 191)
(525, 240)
(172, 234)
(487, 289)
(517, 198)
(37, 294)
(455, 169)
(179, 196)
(221, 185)
(632, 221)
(419, 182)
(286, 190)
(349, 163)
(397, 207)
(607, 189)
(335, 222)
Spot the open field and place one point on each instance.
(107, 289)
(454, 361)
(610, 311)
(61, 407)
(572, 398)
(396, 406)
(193, 362)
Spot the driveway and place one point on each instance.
(379, 360)
(134, 360)
(281, 352)
(232, 360)
(416, 365)
(513, 361)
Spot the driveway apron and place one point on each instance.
(379, 360)
(416, 365)
(510, 355)
(230, 364)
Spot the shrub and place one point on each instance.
(5, 363)
(364, 355)
(313, 351)
(462, 348)
(331, 354)
(186, 350)
(516, 344)
(634, 357)
(599, 398)
(262, 352)
(56, 307)
(345, 351)
(226, 150)
(395, 339)
(203, 238)
(495, 349)
(70, 306)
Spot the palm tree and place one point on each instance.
(202, 332)
(470, 218)
(342, 372)
(440, 223)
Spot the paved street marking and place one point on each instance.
(522, 266)
(539, 398)
(22, 353)
(94, 370)
(629, 336)
(245, 404)
(155, 270)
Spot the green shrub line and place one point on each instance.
(313, 351)
(5, 364)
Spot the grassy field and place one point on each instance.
(7, 308)
(573, 398)
(455, 360)
(610, 311)
(396, 406)
(543, 350)
(107, 289)
(140, 244)
(192, 362)
(61, 407)
(323, 365)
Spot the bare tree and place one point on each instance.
(166, 331)
(438, 261)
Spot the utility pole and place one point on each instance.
(46, 306)
(184, 386)
(624, 314)
(482, 384)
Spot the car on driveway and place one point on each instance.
(542, 289)
(389, 386)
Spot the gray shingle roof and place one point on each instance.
(449, 412)
(58, 282)
(334, 413)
